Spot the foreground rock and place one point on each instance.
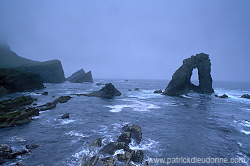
(127, 155)
(50, 71)
(136, 132)
(246, 96)
(16, 81)
(108, 91)
(181, 84)
(65, 116)
(14, 111)
(80, 76)
(6, 153)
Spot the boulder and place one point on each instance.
(32, 146)
(92, 162)
(180, 82)
(138, 156)
(3, 91)
(125, 137)
(246, 96)
(50, 71)
(65, 116)
(158, 91)
(136, 132)
(108, 91)
(80, 76)
(16, 81)
(136, 89)
(222, 96)
(114, 146)
(97, 142)
(126, 157)
(108, 161)
(45, 93)
(5, 151)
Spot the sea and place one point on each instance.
(186, 128)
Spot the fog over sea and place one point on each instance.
(193, 125)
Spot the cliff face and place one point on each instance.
(181, 84)
(16, 81)
(51, 71)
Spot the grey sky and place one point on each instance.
(131, 38)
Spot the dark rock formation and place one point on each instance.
(181, 84)
(92, 162)
(65, 116)
(16, 81)
(45, 93)
(108, 161)
(222, 96)
(107, 91)
(7, 153)
(158, 91)
(125, 137)
(14, 112)
(136, 132)
(51, 105)
(114, 146)
(138, 156)
(126, 157)
(136, 89)
(32, 146)
(97, 142)
(50, 71)
(80, 76)
(247, 96)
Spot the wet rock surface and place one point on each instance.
(222, 96)
(246, 96)
(118, 152)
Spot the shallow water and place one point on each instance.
(194, 125)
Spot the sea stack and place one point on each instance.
(108, 91)
(80, 76)
(181, 83)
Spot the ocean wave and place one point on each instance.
(73, 133)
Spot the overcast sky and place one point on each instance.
(129, 39)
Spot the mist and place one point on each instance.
(130, 39)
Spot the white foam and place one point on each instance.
(245, 132)
(67, 121)
(73, 133)
(117, 108)
(148, 144)
(134, 106)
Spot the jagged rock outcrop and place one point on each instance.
(14, 111)
(16, 81)
(181, 84)
(107, 91)
(51, 71)
(80, 76)
(246, 96)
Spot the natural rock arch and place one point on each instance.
(181, 83)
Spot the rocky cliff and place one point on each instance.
(181, 84)
(16, 81)
(51, 71)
